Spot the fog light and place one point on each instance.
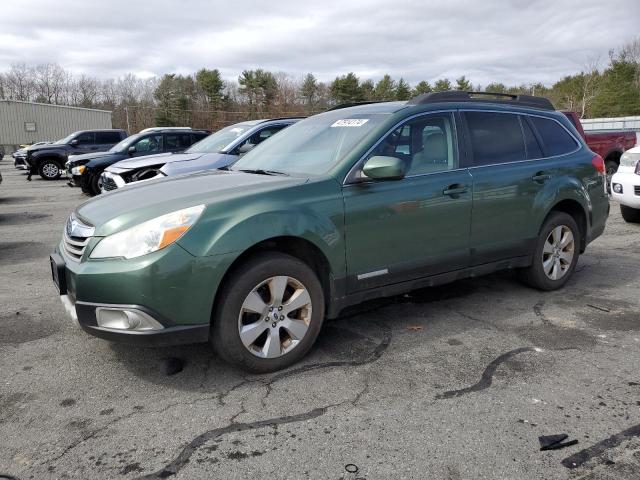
(617, 187)
(125, 319)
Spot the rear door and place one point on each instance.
(399, 230)
(508, 172)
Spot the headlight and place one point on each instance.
(629, 159)
(78, 170)
(148, 236)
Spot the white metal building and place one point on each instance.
(614, 123)
(28, 122)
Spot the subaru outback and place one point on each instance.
(348, 205)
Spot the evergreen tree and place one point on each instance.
(403, 90)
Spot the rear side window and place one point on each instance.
(533, 147)
(555, 138)
(495, 137)
(177, 141)
(196, 137)
(107, 137)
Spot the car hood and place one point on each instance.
(48, 146)
(147, 161)
(87, 156)
(126, 207)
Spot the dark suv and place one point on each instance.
(348, 205)
(48, 160)
(85, 170)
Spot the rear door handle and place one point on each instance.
(455, 190)
(541, 177)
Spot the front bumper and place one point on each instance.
(630, 195)
(171, 287)
(20, 163)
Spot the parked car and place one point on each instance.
(20, 156)
(610, 145)
(625, 185)
(219, 150)
(348, 205)
(85, 170)
(48, 160)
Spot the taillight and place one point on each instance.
(598, 163)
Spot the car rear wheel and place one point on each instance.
(269, 313)
(630, 215)
(556, 254)
(49, 170)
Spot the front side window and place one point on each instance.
(495, 137)
(150, 144)
(426, 144)
(555, 137)
(86, 138)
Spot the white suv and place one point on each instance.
(625, 185)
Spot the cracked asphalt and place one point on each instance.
(455, 382)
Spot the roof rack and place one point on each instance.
(491, 97)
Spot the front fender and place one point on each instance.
(60, 157)
(311, 211)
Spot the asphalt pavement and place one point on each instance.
(455, 382)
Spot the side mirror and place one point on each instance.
(132, 150)
(247, 147)
(384, 168)
(74, 142)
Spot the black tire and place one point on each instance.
(94, 184)
(611, 167)
(534, 275)
(630, 215)
(49, 169)
(225, 335)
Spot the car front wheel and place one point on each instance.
(269, 313)
(630, 215)
(49, 170)
(556, 253)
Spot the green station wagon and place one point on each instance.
(356, 203)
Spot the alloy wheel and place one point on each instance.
(275, 317)
(50, 170)
(558, 252)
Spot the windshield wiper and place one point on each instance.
(260, 171)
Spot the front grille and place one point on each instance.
(76, 236)
(108, 184)
(636, 190)
(75, 246)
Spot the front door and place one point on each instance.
(398, 230)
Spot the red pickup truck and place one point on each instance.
(609, 145)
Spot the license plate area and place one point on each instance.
(58, 273)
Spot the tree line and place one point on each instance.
(206, 100)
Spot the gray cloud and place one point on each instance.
(514, 42)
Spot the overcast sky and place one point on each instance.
(518, 41)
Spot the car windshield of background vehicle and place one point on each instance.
(312, 146)
(218, 141)
(124, 145)
(66, 139)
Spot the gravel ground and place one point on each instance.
(455, 382)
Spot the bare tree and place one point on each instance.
(19, 83)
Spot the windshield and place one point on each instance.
(218, 141)
(124, 145)
(66, 139)
(312, 146)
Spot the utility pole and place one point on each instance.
(126, 111)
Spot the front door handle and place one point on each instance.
(455, 190)
(541, 177)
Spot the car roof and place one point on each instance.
(265, 120)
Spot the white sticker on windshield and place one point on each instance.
(350, 122)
